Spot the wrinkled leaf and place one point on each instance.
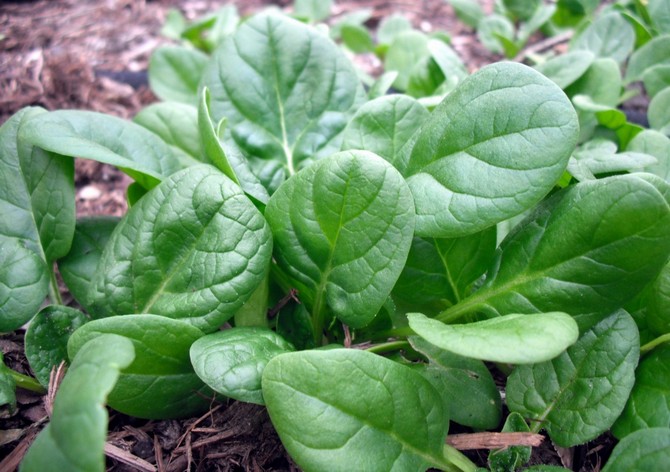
(466, 386)
(386, 126)
(75, 438)
(471, 168)
(649, 402)
(578, 396)
(641, 451)
(80, 265)
(287, 107)
(231, 362)
(194, 248)
(174, 73)
(342, 230)
(599, 242)
(47, 336)
(314, 401)
(160, 383)
(514, 339)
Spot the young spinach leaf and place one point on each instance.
(314, 401)
(7, 385)
(194, 248)
(580, 394)
(75, 438)
(610, 35)
(520, 150)
(174, 73)
(641, 451)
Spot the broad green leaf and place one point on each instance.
(7, 385)
(380, 87)
(425, 77)
(194, 248)
(177, 125)
(441, 271)
(174, 73)
(357, 38)
(314, 401)
(160, 383)
(513, 457)
(104, 138)
(599, 157)
(659, 12)
(659, 112)
(75, 438)
(37, 217)
(80, 265)
(342, 230)
(386, 126)
(289, 107)
(493, 27)
(175, 24)
(610, 35)
(600, 242)
(355, 17)
(312, 10)
(47, 336)
(206, 33)
(649, 402)
(602, 83)
(391, 26)
(567, 68)
(466, 386)
(656, 144)
(471, 168)
(450, 64)
(642, 451)
(592, 114)
(654, 53)
(232, 361)
(656, 78)
(522, 9)
(658, 303)
(468, 12)
(578, 396)
(540, 17)
(513, 339)
(407, 50)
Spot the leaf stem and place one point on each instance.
(26, 382)
(396, 333)
(655, 342)
(389, 346)
(54, 291)
(456, 461)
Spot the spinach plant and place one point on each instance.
(348, 262)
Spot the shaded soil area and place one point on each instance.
(73, 54)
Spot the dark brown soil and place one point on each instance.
(91, 55)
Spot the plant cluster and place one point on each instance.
(356, 261)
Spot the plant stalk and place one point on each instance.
(389, 346)
(455, 461)
(26, 382)
(655, 342)
(54, 291)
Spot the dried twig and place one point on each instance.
(464, 442)
(127, 458)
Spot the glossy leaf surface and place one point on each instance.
(75, 438)
(160, 383)
(314, 401)
(342, 230)
(194, 248)
(514, 339)
(519, 151)
(580, 394)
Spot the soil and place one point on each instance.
(93, 55)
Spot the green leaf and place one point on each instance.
(659, 111)
(656, 78)
(231, 362)
(610, 35)
(75, 438)
(520, 151)
(160, 383)
(209, 137)
(442, 271)
(407, 50)
(314, 401)
(600, 242)
(599, 157)
(36, 219)
(80, 265)
(386, 126)
(658, 303)
(655, 144)
(607, 116)
(514, 339)
(357, 38)
(391, 26)
(659, 12)
(380, 87)
(649, 402)
(194, 248)
(7, 385)
(468, 12)
(642, 451)
(578, 396)
(206, 33)
(513, 457)
(493, 27)
(654, 53)
(466, 386)
(522, 9)
(450, 64)
(566, 69)
(174, 73)
(47, 336)
(312, 10)
(103, 138)
(289, 107)
(177, 125)
(342, 230)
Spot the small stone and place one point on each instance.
(90, 193)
